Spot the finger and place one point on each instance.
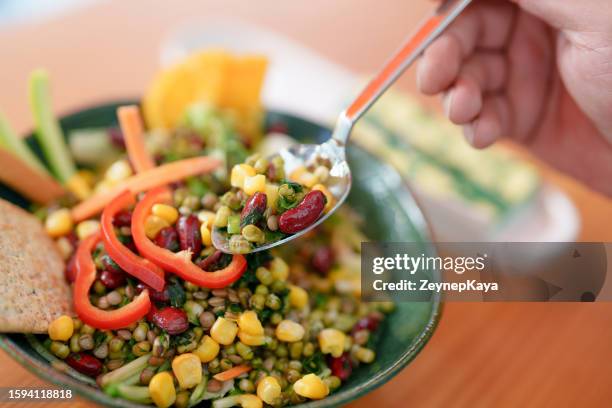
(486, 24)
(492, 123)
(482, 73)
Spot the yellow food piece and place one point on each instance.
(206, 236)
(61, 329)
(271, 191)
(279, 269)
(215, 77)
(118, 171)
(153, 224)
(79, 185)
(207, 350)
(250, 339)
(239, 173)
(268, 390)
(224, 331)
(328, 195)
(161, 389)
(255, 184)
(86, 228)
(59, 222)
(311, 386)
(165, 211)
(207, 218)
(248, 322)
(332, 342)
(221, 217)
(249, 401)
(298, 297)
(187, 369)
(289, 331)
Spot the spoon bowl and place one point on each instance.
(338, 183)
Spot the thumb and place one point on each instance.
(573, 15)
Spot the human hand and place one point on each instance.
(539, 71)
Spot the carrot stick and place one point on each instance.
(26, 180)
(133, 134)
(232, 373)
(146, 180)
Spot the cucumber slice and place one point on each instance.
(48, 132)
(14, 144)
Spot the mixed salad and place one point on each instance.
(164, 318)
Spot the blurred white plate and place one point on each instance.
(304, 83)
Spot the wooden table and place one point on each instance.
(482, 354)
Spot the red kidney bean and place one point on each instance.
(122, 219)
(188, 228)
(305, 214)
(116, 137)
(253, 209)
(170, 319)
(154, 295)
(70, 271)
(323, 259)
(110, 265)
(112, 280)
(369, 322)
(84, 363)
(341, 366)
(209, 262)
(168, 238)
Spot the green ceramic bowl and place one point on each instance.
(375, 186)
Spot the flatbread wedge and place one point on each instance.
(33, 290)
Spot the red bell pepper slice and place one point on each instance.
(179, 263)
(91, 315)
(140, 268)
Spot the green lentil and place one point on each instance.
(59, 349)
(273, 302)
(264, 275)
(246, 385)
(141, 348)
(244, 351)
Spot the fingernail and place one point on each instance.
(468, 132)
(448, 103)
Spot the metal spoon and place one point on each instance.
(334, 150)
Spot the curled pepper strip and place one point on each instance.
(140, 268)
(85, 277)
(179, 263)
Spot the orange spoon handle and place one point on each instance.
(428, 31)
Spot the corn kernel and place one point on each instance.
(153, 224)
(249, 323)
(165, 211)
(104, 186)
(118, 171)
(78, 185)
(298, 297)
(250, 339)
(65, 247)
(255, 184)
(221, 217)
(86, 228)
(268, 390)
(207, 349)
(249, 401)
(161, 389)
(187, 369)
(239, 173)
(322, 173)
(59, 223)
(61, 329)
(308, 179)
(206, 218)
(332, 341)
(279, 269)
(271, 191)
(328, 195)
(224, 331)
(289, 331)
(297, 173)
(311, 386)
(206, 236)
(365, 355)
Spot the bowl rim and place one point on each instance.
(47, 372)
